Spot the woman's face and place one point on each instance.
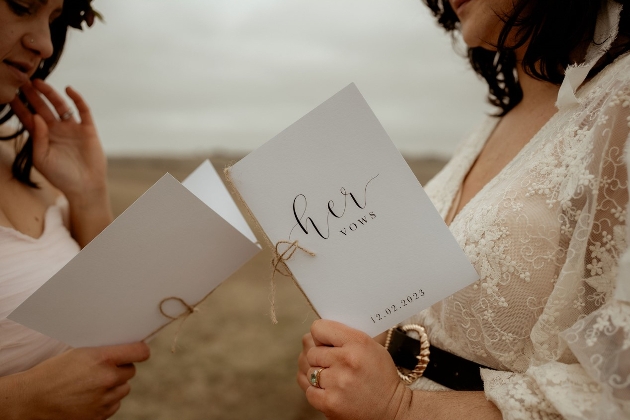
(480, 20)
(24, 41)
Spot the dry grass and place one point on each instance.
(231, 361)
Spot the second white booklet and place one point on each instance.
(334, 182)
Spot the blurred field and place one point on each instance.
(231, 361)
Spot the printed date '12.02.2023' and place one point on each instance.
(393, 308)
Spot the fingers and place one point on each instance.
(53, 97)
(323, 348)
(118, 393)
(111, 410)
(63, 111)
(353, 376)
(302, 375)
(302, 380)
(41, 141)
(312, 358)
(32, 93)
(133, 353)
(321, 382)
(331, 333)
(125, 373)
(38, 103)
(21, 111)
(82, 106)
(303, 369)
(323, 356)
(125, 354)
(307, 342)
(316, 397)
(303, 364)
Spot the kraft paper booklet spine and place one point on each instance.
(267, 241)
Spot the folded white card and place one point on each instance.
(206, 184)
(335, 182)
(168, 243)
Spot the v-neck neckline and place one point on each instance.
(48, 214)
(471, 161)
(482, 138)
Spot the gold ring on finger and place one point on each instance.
(314, 379)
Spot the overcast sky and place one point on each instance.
(188, 76)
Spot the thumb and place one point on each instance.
(127, 353)
(40, 139)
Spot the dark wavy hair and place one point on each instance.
(555, 30)
(74, 13)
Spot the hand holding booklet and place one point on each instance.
(153, 264)
(348, 219)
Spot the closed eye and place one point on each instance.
(19, 8)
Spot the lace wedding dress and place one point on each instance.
(547, 236)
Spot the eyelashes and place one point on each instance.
(19, 8)
(28, 8)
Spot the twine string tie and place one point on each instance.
(189, 310)
(278, 264)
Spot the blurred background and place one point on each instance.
(172, 83)
(171, 77)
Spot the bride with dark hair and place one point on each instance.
(53, 201)
(537, 199)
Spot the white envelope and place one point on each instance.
(168, 243)
(335, 182)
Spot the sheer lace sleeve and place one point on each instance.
(580, 362)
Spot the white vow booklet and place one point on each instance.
(335, 183)
(169, 249)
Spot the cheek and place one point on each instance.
(7, 42)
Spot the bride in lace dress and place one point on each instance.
(537, 199)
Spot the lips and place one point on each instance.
(20, 69)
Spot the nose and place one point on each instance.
(39, 40)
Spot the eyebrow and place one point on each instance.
(45, 2)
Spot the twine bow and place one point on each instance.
(184, 315)
(278, 265)
(278, 262)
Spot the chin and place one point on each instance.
(480, 29)
(471, 41)
(474, 39)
